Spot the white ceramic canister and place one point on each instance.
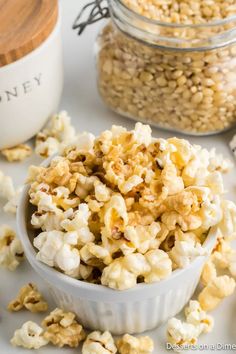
(31, 68)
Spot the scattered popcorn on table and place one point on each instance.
(215, 291)
(61, 328)
(57, 133)
(131, 345)
(99, 343)
(12, 204)
(30, 298)
(7, 190)
(17, 153)
(29, 336)
(181, 334)
(11, 250)
(125, 207)
(196, 316)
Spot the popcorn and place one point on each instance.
(29, 336)
(102, 193)
(160, 266)
(208, 273)
(123, 272)
(57, 249)
(93, 254)
(61, 328)
(30, 298)
(142, 134)
(143, 238)
(197, 322)
(171, 180)
(99, 343)
(7, 190)
(78, 224)
(228, 223)
(182, 333)
(132, 345)
(12, 204)
(224, 257)
(196, 316)
(115, 214)
(17, 153)
(129, 206)
(185, 251)
(215, 291)
(116, 276)
(132, 182)
(58, 132)
(11, 250)
(172, 219)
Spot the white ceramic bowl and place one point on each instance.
(97, 307)
(30, 90)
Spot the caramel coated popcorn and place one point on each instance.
(17, 153)
(125, 207)
(11, 250)
(132, 345)
(30, 298)
(99, 343)
(29, 336)
(61, 328)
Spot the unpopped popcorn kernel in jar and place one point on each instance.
(172, 76)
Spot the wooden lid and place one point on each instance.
(24, 25)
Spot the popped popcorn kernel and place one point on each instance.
(197, 316)
(29, 336)
(7, 190)
(30, 298)
(17, 153)
(215, 291)
(131, 345)
(61, 328)
(11, 250)
(99, 343)
(58, 133)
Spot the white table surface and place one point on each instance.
(81, 100)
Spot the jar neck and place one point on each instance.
(173, 36)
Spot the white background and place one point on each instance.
(81, 100)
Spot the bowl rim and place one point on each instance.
(63, 281)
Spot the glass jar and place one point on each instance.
(177, 77)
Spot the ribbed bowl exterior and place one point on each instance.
(136, 316)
